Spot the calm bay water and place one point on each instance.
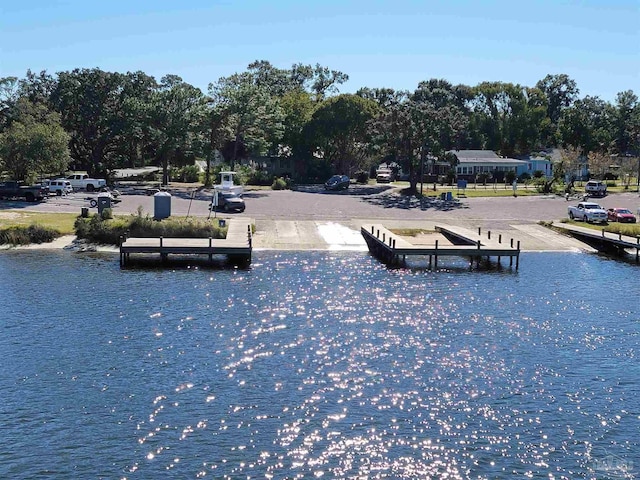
(318, 365)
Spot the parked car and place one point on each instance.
(622, 215)
(59, 186)
(337, 182)
(229, 202)
(384, 175)
(595, 188)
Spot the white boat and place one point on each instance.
(226, 184)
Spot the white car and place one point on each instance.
(59, 186)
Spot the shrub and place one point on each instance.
(259, 177)
(19, 235)
(362, 176)
(186, 174)
(106, 214)
(109, 231)
(279, 184)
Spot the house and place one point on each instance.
(472, 163)
(537, 163)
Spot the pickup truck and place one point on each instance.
(588, 212)
(82, 181)
(31, 193)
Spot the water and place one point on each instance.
(318, 365)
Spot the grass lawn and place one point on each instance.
(62, 222)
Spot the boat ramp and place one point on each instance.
(237, 245)
(393, 249)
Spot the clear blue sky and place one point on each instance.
(392, 44)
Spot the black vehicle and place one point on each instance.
(229, 202)
(337, 182)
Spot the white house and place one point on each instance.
(474, 162)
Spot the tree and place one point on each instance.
(254, 117)
(35, 143)
(89, 104)
(510, 118)
(626, 118)
(338, 131)
(561, 92)
(135, 140)
(297, 108)
(587, 125)
(176, 115)
(9, 94)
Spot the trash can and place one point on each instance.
(104, 201)
(449, 195)
(84, 212)
(161, 205)
(222, 223)
(443, 196)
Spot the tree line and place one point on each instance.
(101, 121)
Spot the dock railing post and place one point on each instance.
(435, 257)
(489, 234)
(500, 238)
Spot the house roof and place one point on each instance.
(484, 157)
(474, 154)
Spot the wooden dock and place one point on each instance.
(391, 249)
(237, 246)
(602, 241)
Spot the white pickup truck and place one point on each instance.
(82, 181)
(589, 212)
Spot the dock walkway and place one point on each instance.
(390, 248)
(601, 240)
(237, 245)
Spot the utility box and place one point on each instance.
(161, 205)
(104, 201)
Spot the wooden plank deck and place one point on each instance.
(601, 240)
(237, 244)
(389, 247)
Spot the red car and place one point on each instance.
(622, 215)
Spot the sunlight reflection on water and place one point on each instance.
(325, 365)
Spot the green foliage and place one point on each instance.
(186, 174)
(20, 235)
(109, 231)
(362, 176)
(260, 177)
(34, 143)
(106, 214)
(279, 184)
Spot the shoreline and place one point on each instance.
(534, 240)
